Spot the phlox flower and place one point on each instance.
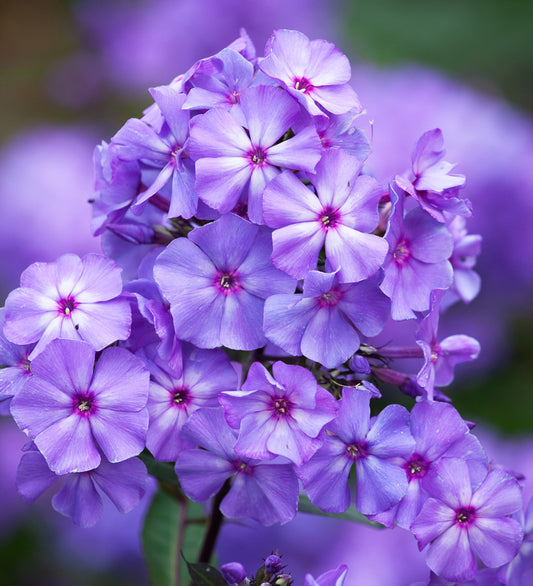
(222, 272)
(326, 322)
(315, 72)
(280, 414)
(266, 492)
(340, 216)
(124, 483)
(74, 410)
(372, 445)
(460, 522)
(72, 298)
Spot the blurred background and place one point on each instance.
(73, 71)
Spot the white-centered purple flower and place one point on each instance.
(417, 261)
(439, 432)
(373, 445)
(441, 357)
(71, 298)
(325, 323)
(460, 523)
(280, 414)
(235, 162)
(163, 151)
(266, 492)
(74, 410)
(315, 72)
(340, 216)
(124, 483)
(430, 182)
(221, 272)
(173, 397)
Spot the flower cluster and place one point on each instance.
(230, 328)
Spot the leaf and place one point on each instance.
(160, 539)
(305, 506)
(205, 575)
(194, 535)
(161, 470)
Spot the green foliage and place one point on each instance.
(205, 575)
(305, 506)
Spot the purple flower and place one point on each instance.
(266, 492)
(163, 151)
(340, 216)
(73, 413)
(222, 272)
(330, 578)
(316, 73)
(430, 183)
(417, 261)
(459, 522)
(439, 432)
(230, 158)
(233, 572)
(441, 357)
(124, 483)
(72, 298)
(372, 445)
(280, 415)
(173, 397)
(325, 322)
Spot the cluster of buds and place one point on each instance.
(230, 327)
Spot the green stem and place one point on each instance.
(215, 523)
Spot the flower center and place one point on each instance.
(329, 218)
(281, 407)
(355, 451)
(242, 467)
(180, 397)
(84, 404)
(416, 467)
(465, 516)
(227, 282)
(402, 253)
(67, 305)
(258, 156)
(303, 85)
(234, 97)
(330, 298)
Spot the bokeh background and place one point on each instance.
(73, 71)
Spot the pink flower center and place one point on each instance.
(84, 404)
(180, 397)
(281, 407)
(329, 218)
(330, 298)
(303, 85)
(67, 305)
(356, 450)
(227, 282)
(416, 467)
(234, 97)
(258, 156)
(402, 253)
(465, 516)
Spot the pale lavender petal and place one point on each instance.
(292, 443)
(124, 483)
(79, 500)
(336, 99)
(360, 209)
(302, 151)
(241, 326)
(449, 481)
(137, 140)
(288, 201)
(430, 241)
(208, 429)
(120, 435)
(287, 55)
(68, 445)
(335, 178)
(495, 541)
(219, 181)
(120, 381)
(184, 201)
(260, 178)
(101, 324)
(28, 313)
(180, 262)
(454, 350)
(327, 64)
(389, 435)
(156, 185)
(100, 280)
(434, 519)
(380, 485)
(357, 255)
(411, 504)
(254, 435)
(217, 134)
(353, 416)
(498, 495)
(170, 101)
(296, 248)
(450, 556)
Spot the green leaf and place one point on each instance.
(160, 539)
(194, 536)
(161, 470)
(205, 575)
(305, 506)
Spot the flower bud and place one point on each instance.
(233, 572)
